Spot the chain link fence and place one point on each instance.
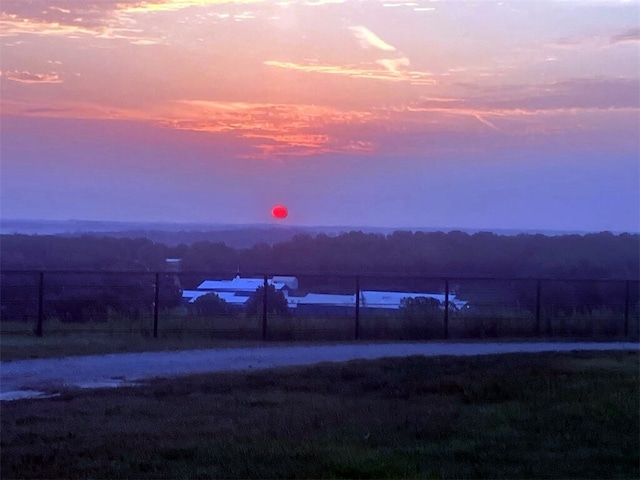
(313, 306)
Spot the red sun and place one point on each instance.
(279, 211)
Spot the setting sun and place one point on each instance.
(279, 211)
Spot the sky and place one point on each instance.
(409, 114)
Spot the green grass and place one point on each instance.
(515, 416)
(20, 347)
(126, 334)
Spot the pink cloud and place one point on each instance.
(31, 78)
(368, 39)
(386, 70)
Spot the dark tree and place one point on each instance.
(210, 304)
(421, 307)
(276, 302)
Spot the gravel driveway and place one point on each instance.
(33, 378)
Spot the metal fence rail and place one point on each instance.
(151, 303)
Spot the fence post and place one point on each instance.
(156, 305)
(40, 304)
(357, 326)
(627, 307)
(446, 309)
(264, 310)
(538, 295)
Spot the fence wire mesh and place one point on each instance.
(308, 306)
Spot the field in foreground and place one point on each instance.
(19, 347)
(518, 416)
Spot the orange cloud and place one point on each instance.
(288, 129)
(294, 139)
(281, 129)
(285, 130)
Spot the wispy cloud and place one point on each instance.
(597, 42)
(484, 121)
(30, 78)
(578, 93)
(541, 105)
(390, 72)
(319, 3)
(270, 129)
(98, 12)
(175, 5)
(504, 113)
(631, 35)
(89, 14)
(281, 130)
(394, 65)
(313, 141)
(368, 39)
(109, 19)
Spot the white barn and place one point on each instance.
(238, 290)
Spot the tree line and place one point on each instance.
(591, 256)
(95, 287)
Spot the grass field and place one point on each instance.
(20, 347)
(509, 416)
(124, 334)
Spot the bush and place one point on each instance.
(211, 304)
(421, 307)
(276, 302)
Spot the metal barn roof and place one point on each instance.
(239, 284)
(322, 299)
(237, 291)
(229, 297)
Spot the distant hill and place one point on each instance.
(245, 237)
(171, 234)
(236, 236)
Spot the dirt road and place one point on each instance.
(34, 378)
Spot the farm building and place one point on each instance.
(238, 290)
